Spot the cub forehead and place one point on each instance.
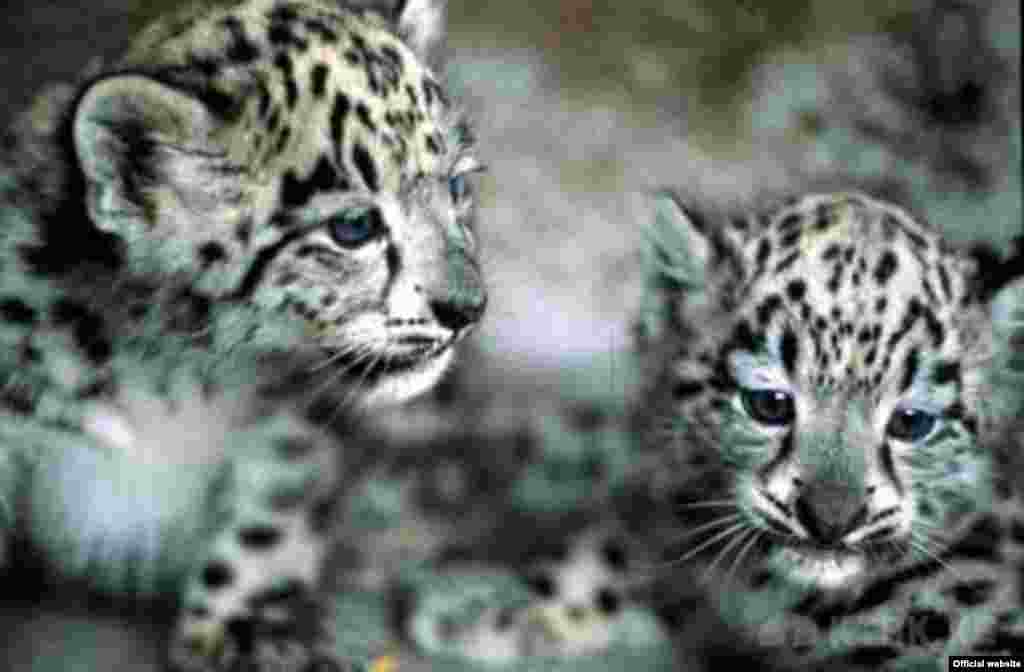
(310, 80)
(849, 248)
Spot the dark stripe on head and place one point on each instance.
(284, 64)
(254, 275)
(364, 162)
(787, 261)
(789, 350)
(363, 112)
(339, 111)
(889, 467)
(910, 369)
(296, 192)
(318, 80)
(767, 308)
(241, 49)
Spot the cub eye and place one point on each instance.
(356, 227)
(458, 187)
(769, 407)
(910, 424)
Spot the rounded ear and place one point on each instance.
(1007, 310)
(677, 248)
(421, 23)
(119, 124)
(677, 258)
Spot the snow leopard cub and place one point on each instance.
(835, 406)
(263, 207)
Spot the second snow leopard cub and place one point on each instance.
(259, 191)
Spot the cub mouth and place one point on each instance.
(401, 355)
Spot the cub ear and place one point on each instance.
(678, 249)
(133, 135)
(1007, 310)
(421, 23)
(677, 255)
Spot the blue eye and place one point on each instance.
(458, 188)
(353, 228)
(769, 407)
(910, 424)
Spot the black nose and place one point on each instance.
(459, 312)
(826, 517)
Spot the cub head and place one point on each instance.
(828, 384)
(300, 162)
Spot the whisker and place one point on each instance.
(717, 522)
(738, 539)
(914, 542)
(709, 504)
(656, 566)
(743, 551)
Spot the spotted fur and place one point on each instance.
(833, 393)
(258, 215)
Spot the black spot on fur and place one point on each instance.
(542, 584)
(788, 261)
(241, 48)
(614, 555)
(790, 222)
(339, 111)
(212, 252)
(796, 289)
(318, 80)
(743, 338)
(16, 310)
(296, 192)
(325, 32)
(244, 230)
(934, 327)
(363, 112)
(831, 252)
(767, 308)
(789, 350)
(764, 250)
(217, 575)
(608, 601)
(364, 162)
(259, 537)
(946, 372)
(910, 369)
(885, 268)
(281, 35)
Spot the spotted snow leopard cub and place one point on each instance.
(262, 208)
(836, 414)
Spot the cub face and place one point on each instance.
(826, 385)
(302, 163)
